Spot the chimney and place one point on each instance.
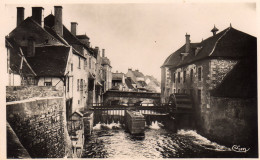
(58, 26)
(31, 47)
(74, 28)
(37, 14)
(187, 45)
(20, 15)
(96, 50)
(103, 52)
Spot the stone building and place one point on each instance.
(42, 51)
(107, 71)
(219, 73)
(118, 81)
(138, 78)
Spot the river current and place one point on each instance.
(112, 141)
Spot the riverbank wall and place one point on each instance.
(37, 117)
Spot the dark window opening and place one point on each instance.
(47, 83)
(184, 76)
(179, 77)
(199, 73)
(191, 75)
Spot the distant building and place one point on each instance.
(118, 82)
(107, 71)
(138, 78)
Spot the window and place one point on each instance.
(68, 84)
(179, 90)
(191, 75)
(81, 85)
(47, 84)
(173, 77)
(199, 96)
(71, 67)
(199, 73)
(184, 76)
(174, 90)
(86, 64)
(79, 63)
(179, 77)
(77, 84)
(89, 63)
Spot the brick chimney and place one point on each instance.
(103, 52)
(96, 50)
(20, 15)
(58, 26)
(74, 28)
(31, 47)
(187, 45)
(37, 14)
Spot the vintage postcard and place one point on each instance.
(170, 79)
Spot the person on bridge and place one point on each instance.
(172, 103)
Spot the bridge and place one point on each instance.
(130, 97)
(183, 105)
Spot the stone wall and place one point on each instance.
(219, 69)
(232, 121)
(18, 93)
(37, 116)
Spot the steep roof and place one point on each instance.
(137, 73)
(30, 28)
(117, 76)
(67, 35)
(229, 43)
(240, 82)
(82, 36)
(128, 83)
(105, 61)
(49, 60)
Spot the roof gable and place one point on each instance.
(29, 28)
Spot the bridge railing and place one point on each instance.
(158, 107)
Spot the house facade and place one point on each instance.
(205, 71)
(42, 51)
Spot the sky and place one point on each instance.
(142, 35)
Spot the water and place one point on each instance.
(111, 141)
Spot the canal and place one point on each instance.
(110, 140)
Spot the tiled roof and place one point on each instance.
(67, 35)
(105, 61)
(240, 82)
(30, 28)
(128, 83)
(138, 74)
(82, 36)
(49, 60)
(229, 43)
(117, 76)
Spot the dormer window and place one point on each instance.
(183, 55)
(197, 50)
